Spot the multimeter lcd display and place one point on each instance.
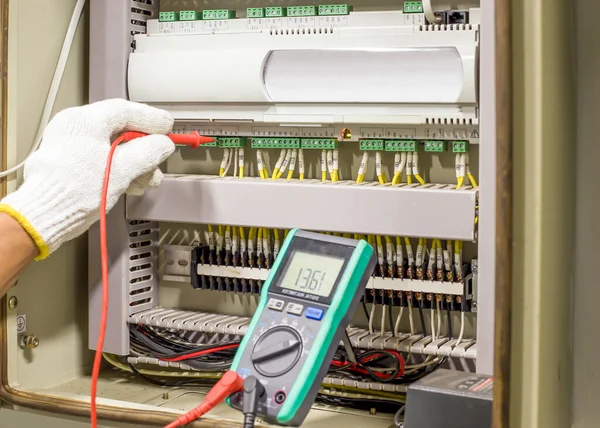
(312, 273)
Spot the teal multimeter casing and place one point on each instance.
(305, 305)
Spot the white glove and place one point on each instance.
(60, 197)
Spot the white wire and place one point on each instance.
(235, 161)
(462, 329)
(398, 322)
(300, 161)
(433, 335)
(55, 85)
(330, 161)
(241, 158)
(429, 14)
(371, 318)
(382, 332)
(439, 320)
(229, 156)
(410, 319)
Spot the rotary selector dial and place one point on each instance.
(277, 351)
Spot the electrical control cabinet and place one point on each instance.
(364, 120)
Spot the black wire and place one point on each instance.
(189, 383)
(449, 323)
(390, 316)
(423, 329)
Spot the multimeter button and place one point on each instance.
(294, 309)
(276, 304)
(314, 314)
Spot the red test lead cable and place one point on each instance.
(230, 382)
(193, 140)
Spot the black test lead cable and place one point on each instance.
(254, 393)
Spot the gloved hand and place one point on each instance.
(60, 197)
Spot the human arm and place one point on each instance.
(17, 250)
(60, 196)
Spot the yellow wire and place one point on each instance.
(301, 176)
(242, 233)
(221, 172)
(259, 237)
(347, 235)
(388, 240)
(456, 247)
(221, 230)
(323, 175)
(234, 232)
(371, 239)
(461, 181)
(285, 233)
(379, 241)
(406, 241)
(276, 234)
(360, 178)
(409, 178)
(397, 179)
(275, 174)
(290, 174)
(420, 179)
(356, 236)
(210, 228)
(398, 240)
(472, 180)
(252, 233)
(241, 171)
(336, 234)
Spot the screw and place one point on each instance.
(30, 342)
(13, 302)
(165, 396)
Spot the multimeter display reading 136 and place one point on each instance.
(312, 273)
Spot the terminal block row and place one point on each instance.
(411, 145)
(192, 15)
(257, 12)
(275, 143)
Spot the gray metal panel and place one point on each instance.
(341, 207)
(487, 206)
(117, 337)
(109, 48)
(111, 27)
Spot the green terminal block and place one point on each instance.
(189, 15)
(231, 142)
(435, 146)
(302, 11)
(168, 16)
(371, 144)
(460, 146)
(320, 143)
(334, 9)
(218, 14)
(413, 7)
(275, 12)
(255, 12)
(401, 146)
(275, 143)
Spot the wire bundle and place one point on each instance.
(146, 341)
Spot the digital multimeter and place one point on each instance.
(306, 303)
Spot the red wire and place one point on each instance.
(104, 262)
(193, 139)
(200, 353)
